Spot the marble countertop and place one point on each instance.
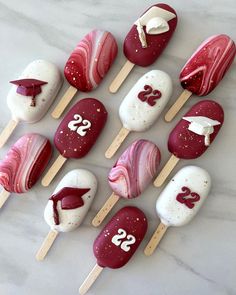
(198, 258)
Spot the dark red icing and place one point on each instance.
(145, 95)
(185, 144)
(69, 143)
(29, 87)
(130, 220)
(155, 43)
(70, 197)
(187, 197)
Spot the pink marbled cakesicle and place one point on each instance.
(135, 169)
(208, 65)
(91, 60)
(25, 162)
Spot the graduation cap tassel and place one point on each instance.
(141, 34)
(33, 102)
(207, 140)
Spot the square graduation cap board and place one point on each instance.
(29, 87)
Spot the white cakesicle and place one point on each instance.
(71, 219)
(194, 184)
(20, 104)
(137, 114)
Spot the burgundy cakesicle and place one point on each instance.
(77, 133)
(192, 135)
(146, 40)
(117, 242)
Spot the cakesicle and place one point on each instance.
(142, 106)
(77, 133)
(180, 201)
(146, 40)
(31, 95)
(23, 164)
(204, 70)
(117, 242)
(68, 205)
(194, 133)
(131, 174)
(87, 65)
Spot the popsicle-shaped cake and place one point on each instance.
(180, 201)
(204, 70)
(87, 65)
(194, 133)
(131, 174)
(142, 106)
(31, 95)
(68, 205)
(23, 164)
(146, 40)
(117, 242)
(77, 133)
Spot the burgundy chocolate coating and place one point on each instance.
(69, 143)
(134, 222)
(70, 197)
(155, 43)
(185, 144)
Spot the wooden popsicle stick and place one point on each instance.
(4, 195)
(7, 131)
(106, 208)
(155, 239)
(175, 108)
(121, 76)
(47, 244)
(166, 170)
(91, 278)
(63, 103)
(123, 133)
(53, 170)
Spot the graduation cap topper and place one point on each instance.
(202, 126)
(29, 87)
(70, 197)
(156, 22)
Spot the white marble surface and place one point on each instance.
(199, 258)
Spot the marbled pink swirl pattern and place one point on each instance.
(91, 60)
(25, 162)
(208, 65)
(135, 169)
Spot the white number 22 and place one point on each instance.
(82, 130)
(125, 245)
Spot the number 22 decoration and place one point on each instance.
(192, 197)
(125, 245)
(150, 99)
(81, 130)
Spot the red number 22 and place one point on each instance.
(145, 95)
(192, 197)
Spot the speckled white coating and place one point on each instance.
(174, 213)
(20, 104)
(71, 219)
(138, 115)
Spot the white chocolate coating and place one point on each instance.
(138, 115)
(20, 104)
(171, 211)
(71, 219)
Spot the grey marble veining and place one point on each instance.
(199, 258)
